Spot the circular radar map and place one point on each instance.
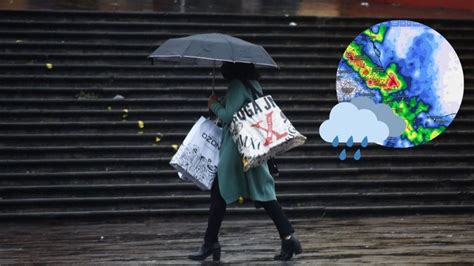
(412, 69)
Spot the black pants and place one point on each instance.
(218, 208)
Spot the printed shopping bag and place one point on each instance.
(198, 156)
(261, 131)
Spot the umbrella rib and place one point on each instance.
(231, 48)
(185, 50)
(270, 57)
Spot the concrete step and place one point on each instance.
(160, 70)
(331, 59)
(154, 81)
(179, 188)
(27, 35)
(115, 123)
(118, 114)
(213, 26)
(19, 46)
(161, 150)
(170, 70)
(306, 212)
(191, 92)
(305, 59)
(24, 103)
(449, 136)
(142, 36)
(123, 113)
(103, 163)
(295, 177)
(369, 199)
(47, 47)
(133, 126)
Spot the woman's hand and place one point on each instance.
(211, 100)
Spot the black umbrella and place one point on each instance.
(211, 49)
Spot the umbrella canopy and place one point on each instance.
(212, 48)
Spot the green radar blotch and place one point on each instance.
(411, 68)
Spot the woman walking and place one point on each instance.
(231, 182)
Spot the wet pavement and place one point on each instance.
(397, 239)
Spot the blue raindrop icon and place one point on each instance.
(342, 155)
(350, 141)
(335, 142)
(365, 142)
(357, 155)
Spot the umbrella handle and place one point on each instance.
(213, 75)
(213, 78)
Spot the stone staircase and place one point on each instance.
(68, 149)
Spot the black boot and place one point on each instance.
(207, 249)
(288, 248)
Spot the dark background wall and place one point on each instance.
(462, 9)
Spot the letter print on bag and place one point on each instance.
(269, 130)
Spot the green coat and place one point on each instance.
(257, 183)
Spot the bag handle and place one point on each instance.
(254, 91)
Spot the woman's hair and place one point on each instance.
(244, 71)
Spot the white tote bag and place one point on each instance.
(198, 156)
(261, 131)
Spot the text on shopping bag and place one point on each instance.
(260, 114)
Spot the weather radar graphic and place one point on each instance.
(399, 84)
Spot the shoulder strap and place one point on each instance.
(254, 91)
